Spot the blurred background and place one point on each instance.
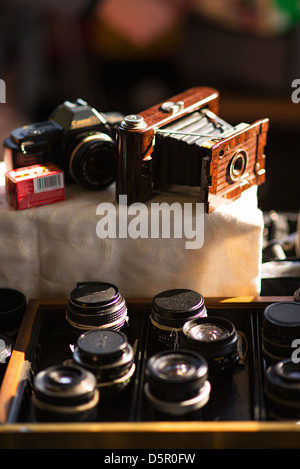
(126, 55)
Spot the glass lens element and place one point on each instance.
(207, 332)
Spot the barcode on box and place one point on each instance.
(48, 183)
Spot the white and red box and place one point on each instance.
(34, 185)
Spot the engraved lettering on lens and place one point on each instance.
(2, 91)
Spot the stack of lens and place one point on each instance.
(170, 310)
(177, 382)
(282, 389)
(96, 306)
(281, 325)
(109, 356)
(216, 339)
(65, 393)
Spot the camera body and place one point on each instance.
(77, 138)
(183, 142)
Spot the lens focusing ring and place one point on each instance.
(96, 305)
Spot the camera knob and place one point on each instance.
(133, 121)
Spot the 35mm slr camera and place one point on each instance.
(77, 138)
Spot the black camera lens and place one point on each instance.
(92, 162)
(6, 348)
(217, 340)
(281, 325)
(282, 389)
(65, 393)
(12, 308)
(177, 382)
(96, 306)
(109, 356)
(170, 310)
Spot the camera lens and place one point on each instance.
(109, 356)
(170, 310)
(282, 389)
(6, 347)
(177, 382)
(217, 340)
(65, 393)
(281, 325)
(12, 309)
(96, 306)
(92, 162)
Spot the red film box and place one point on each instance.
(34, 185)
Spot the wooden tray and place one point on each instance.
(237, 418)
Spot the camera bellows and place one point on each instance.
(65, 393)
(96, 306)
(177, 382)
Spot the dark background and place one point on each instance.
(124, 55)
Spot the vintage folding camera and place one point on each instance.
(76, 137)
(183, 142)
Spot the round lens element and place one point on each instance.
(208, 332)
(92, 162)
(217, 340)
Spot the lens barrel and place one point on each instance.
(177, 382)
(96, 306)
(281, 325)
(216, 339)
(170, 310)
(92, 162)
(12, 308)
(282, 389)
(65, 393)
(109, 356)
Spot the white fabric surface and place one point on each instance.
(46, 250)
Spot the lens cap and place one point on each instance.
(12, 309)
(282, 320)
(100, 346)
(176, 306)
